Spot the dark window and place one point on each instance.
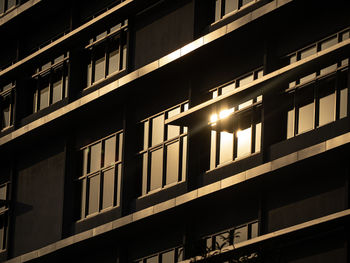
(238, 136)
(169, 256)
(101, 175)
(6, 105)
(227, 7)
(3, 215)
(50, 83)
(164, 151)
(107, 53)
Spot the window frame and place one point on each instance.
(4, 213)
(6, 8)
(178, 255)
(102, 43)
(46, 73)
(221, 13)
(146, 153)
(83, 179)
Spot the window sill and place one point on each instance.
(102, 81)
(6, 128)
(159, 190)
(97, 213)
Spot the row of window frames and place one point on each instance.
(237, 83)
(316, 110)
(6, 5)
(107, 58)
(50, 88)
(164, 165)
(154, 128)
(321, 45)
(233, 236)
(226, 7)
(170, 256)
(100, 191)
(102, 154)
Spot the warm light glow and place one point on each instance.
(225, 113)
(213, 118)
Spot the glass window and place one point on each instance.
(3, 216)
(230, 5)
(168, 257)
(101, 173)
(11, 3)
(2, 6)
(329, 42)
(240, 234)
(244, 142)
(107, 52)
(290, 124)
(327, 109)
(308, 52)
(164, 159)
(223, 7)
(306, 118)
(246, 80)
(226, 147)
(44, 98)
(222, 240)
(57, 91)
(5, 117)
(343, 103)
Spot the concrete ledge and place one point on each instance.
(18, 10)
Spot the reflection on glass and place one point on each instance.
(230, 5)
(110, 144)
(246, 80)
(328, 43)
(57, 91)
(306, 118)
(172, 163)
(44, 98)
(245, 104)
(217, 10)
(94, 193)
(95, 157)
(226, 147)
(328, 69)
(290, 124)
(144, 172)
(244, 142)
(228, 88)
(173, 130)
(157, 130)
(124, 57)
(327, 109)
(89, 70)
(156, 169)
(307, 78)
(83, 198)
(255, 230)
(257, 137)
(114, 59)
(222, 240)
(240, 234)
(85, 160)
(120, 150)
(244, 2)
(108, 188)
(213, 150)
(6, 117)
(184, 157)
(343, 111)
(308, 52)
(145, 134)
(99, 68)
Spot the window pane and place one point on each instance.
(44, 98)
(6, 117)
(114, 58)
(102, 35)
(240, 234)
(35, 101)
(3, 195)
(308, 78)
(114, 28)
(184, 158)
(327, 109)
(11, 3)
(308, 52)
(172, 163)
(292, 59)
(255, 229)
(168, 257)
(46, 66)
(226, 147)
(245, 104)
(290, 124)
(345, 35)
(95, 158)
(173, 130)
(222, 240)
(306, 118)
(328, 43)
(58, 59)
(329, 69)
(2, 232)
(57, 91)
(100, 67)
(217, 10)
(257, 137)
(2, 6)
(145, 134)
(94, 193)
(343, 111)
(213, 150)
(120, 150)
(7, 87)
(83, 198)
(144, 172)
(228, 88)
(157, 130)
(244, 142)
(88, 76)
(124, 57)
(85, 160)
(179, 254)
(156, 169)
(108, 188)
(110, 144)
(152, 260)
(246, 80)
(230, 5)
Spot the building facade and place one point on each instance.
(162, 131)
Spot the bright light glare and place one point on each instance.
(225, 113)
(213, 117)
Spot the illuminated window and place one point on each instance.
(164, 151)
(231, 236)
(236, 131)
(6, 105)
(50, 83)
(226, 7)
(3, 215)
(169, 256)
(318, 103)
(107, 53)
(101, 175)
